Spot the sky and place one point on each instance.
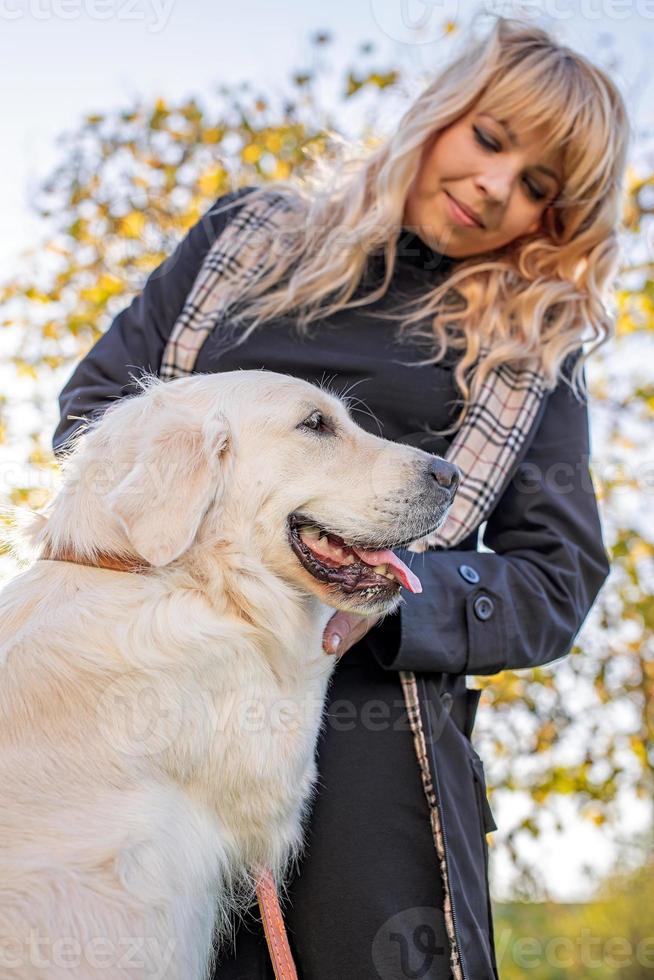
(61, 59)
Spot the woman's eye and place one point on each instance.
(481, 138)
(537, 194)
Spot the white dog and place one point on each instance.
(158, 726)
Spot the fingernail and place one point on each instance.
(334, 642)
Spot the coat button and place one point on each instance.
(469, 574)
(484, 607)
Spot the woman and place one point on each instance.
(486, 227)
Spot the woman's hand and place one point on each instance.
(348, 629)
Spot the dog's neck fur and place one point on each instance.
(310, 616)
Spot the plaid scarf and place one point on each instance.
(485, 448)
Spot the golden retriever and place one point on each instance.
(158, 728)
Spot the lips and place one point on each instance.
(467, 212)
(371, 573)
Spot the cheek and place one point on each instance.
(451, 157)
(524, 214)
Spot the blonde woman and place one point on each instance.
(480, 238)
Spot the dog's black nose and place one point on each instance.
(447, 475)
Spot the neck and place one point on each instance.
(412, 249)
(283, 630)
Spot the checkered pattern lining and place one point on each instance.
(487, 443)
(412, 704)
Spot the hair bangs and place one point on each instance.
(537, 98)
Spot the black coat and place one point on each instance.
(518, 605)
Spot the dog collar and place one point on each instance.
(104, 559)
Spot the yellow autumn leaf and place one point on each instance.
(50, 330)
(251, 153)
(624, 325)
(132, 225)
(53, 361)
(39, 457)
(273, 142)
(282, 170)
(597, 817)
(24, 369)
(147, 263)
(102, 290)
(213, 134)
(39, 297)
(212, 181)
(638, 748)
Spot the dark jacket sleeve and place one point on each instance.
(523, 604)
(137, 337)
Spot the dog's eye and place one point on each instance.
(316, 422)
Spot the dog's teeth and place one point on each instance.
(310, 533)
(391, 578)
(380, 569)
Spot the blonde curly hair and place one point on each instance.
(539, 298)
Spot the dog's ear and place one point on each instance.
(179, 472)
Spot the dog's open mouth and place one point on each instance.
(352, 568)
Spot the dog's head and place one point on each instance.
(261, 465)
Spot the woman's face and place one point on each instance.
(498, 174)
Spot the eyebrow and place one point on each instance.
(514, 142)
(330, 418)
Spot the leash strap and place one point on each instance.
(273, 926)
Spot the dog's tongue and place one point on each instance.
(403, 574)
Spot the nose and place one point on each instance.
(447, 475)
(497, 184)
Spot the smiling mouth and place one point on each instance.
(476, 221)
(352, 568)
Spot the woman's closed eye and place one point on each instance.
(490, 144)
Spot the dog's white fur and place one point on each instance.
(158, 729)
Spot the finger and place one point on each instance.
(338, 630)
(344, 630)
